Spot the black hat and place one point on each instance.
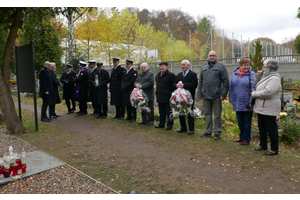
(129, 61)
(99, 64)
(69, 66)
(92, 61)
(163, 63)
(116, 59)
(82, 63)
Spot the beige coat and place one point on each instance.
(267, 94)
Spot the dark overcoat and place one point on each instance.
(164, 86)
(116, 86)
(128, 85)
(147, 81)
(190, 82)
(45, 83)
(100, 93)
(91, 84)
(67, 79)
(81, 89)
(54, 97)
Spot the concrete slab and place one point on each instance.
(36, 162)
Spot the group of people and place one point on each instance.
(248, 92)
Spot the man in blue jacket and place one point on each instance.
(213, 89)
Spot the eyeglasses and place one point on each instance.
(265, 67)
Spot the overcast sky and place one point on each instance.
(249, 19)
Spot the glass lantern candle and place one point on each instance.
(24, 168)
(11, 166)
(15, 170)
(18, 161)
(6, 172)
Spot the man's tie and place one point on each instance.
(184, 74)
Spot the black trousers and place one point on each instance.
(52, 110)
(120, 111)
(131, 112)
(44, 108)
(101, 109)
(69, 104)
(149, 116)
(83, 106)
(267, 124)
(164, 114)
(191, 121)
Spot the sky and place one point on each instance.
(247, 19)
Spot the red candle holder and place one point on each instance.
(24, 168)
(6, 172)
(15, 170)
(11, 166)
(1, 169)
(18, 161)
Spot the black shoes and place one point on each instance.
(191, 132)
(206, 135)
(53, 117)
(143, 122)
(169, 128)
(82, 113)
(133, 120)
(271, 153)
(181, 130)
(46, 120)
(259, 148)
(217, 137)
(115, 117)
(159, 126)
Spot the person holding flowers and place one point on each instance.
(187, 79)
(145, 81)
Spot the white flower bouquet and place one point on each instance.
(139, 100)
(181, 102)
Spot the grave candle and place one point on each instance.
(6, 172)
(24, 168)
(18, 161)
(15, 170)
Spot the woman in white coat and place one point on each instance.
(267, 105)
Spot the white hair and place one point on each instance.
(145, 64)
(52, 64)
(186, 62)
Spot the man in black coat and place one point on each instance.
(45, 89)
(116, 89)
(92, 73)
(54, 96)
(165, 81)
(189, 82)
(128, 80)
(100, 94)
(81, 89)
(67, 79)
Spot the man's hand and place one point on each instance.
(221, 98)
(46, 93)
(179, 85)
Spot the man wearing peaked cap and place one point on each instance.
(82, 63)
(81, 90)
(67, 79)
(92, 73)
(128, 80)
(116, 88)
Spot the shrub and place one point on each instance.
(290, 132)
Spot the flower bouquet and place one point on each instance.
(139, 100)
(181, 102)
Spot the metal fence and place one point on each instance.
(289, 66)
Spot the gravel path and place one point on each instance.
(60, 180)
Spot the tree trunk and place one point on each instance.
(12, 121)
(71, 30)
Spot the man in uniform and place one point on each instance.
(67, 79)
(45, 90)
(92, 73)
(81, 90)
(54, 96)
(127, 86)
(100, 95)
(189, 81)
(116, 88)
(164, 87)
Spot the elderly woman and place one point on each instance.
(267, 105)
(240, 88)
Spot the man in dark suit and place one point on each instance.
(116, 88)
(165, 81)
(81, 90)
(100, 95)
(67, 79)
(45, 90)
(92, 73)
(128, 80)
(54, 96)
(189, 81)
